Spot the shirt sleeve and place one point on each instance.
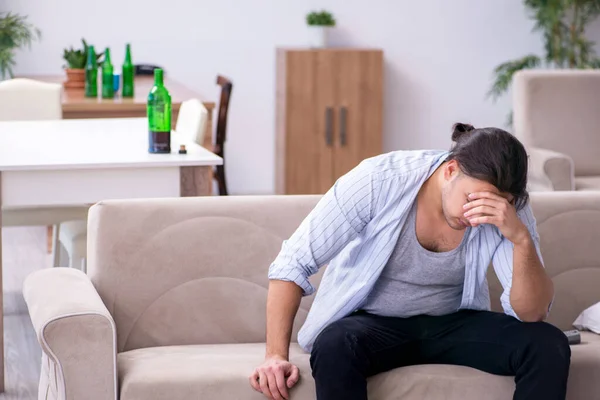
(338, 218)
(503, 259)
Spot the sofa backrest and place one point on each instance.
(190, 270)
(569, 227)
(194, 270)
(558, 110)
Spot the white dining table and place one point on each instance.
(78, 162)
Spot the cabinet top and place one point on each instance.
(329, 49)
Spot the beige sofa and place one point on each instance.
(556, 116)
(173, 306)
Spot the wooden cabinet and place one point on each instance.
(329, 115)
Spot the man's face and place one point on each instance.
(455, 194)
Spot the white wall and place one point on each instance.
(439, 58)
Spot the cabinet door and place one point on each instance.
(309, 119)
(359, 97)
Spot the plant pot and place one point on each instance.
(75, 78)
(317, 36)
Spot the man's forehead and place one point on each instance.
(488, 187)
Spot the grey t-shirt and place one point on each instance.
(417, 281)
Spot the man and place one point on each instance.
(407, 237)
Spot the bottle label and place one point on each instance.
(159, 142)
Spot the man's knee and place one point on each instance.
(338, 343)
(547, 342)
(334, 339)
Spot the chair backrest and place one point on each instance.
(24, 99)
(194, 270)
(191, 121)
(558, 110)
(567, 223)
(221, 136)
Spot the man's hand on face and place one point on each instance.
(490, 208)
(274, 377)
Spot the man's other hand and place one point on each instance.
(274, 377)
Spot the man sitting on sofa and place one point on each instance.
(408, 237)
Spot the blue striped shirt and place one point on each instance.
(354, 228)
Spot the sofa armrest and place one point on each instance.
(551, 170)
(77, 335)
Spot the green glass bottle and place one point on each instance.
(91, 74)
(159, 116)
(108, 84)
(127, 73)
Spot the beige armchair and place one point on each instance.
(173, 306)
(556, 115)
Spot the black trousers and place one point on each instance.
(361, 345)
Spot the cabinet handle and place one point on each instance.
(329, 126)
(343, 135)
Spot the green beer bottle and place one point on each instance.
(127, 73)
(159, 116)
(91, 74)
(108, 88)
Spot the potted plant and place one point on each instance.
(563, 27)
(318, 26)
(75, 67)
(15, 32)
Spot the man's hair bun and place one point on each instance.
(459, 130)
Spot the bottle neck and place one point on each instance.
(91, 56)
(107, 56)
(128, 55)
(158, 77)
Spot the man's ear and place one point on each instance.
(451, 170)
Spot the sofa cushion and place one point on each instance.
(590, 338)
(587, 183)
(221, 372)
(201, 372)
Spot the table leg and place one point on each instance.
(49, 238)
(1, 300)
(195, 181)
(55, 246)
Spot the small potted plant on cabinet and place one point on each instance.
(318, 25)
(75, 67)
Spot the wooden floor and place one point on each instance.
(24, 251)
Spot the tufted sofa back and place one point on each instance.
(194, 270)
(190, 270)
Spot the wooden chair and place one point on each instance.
(221, 134)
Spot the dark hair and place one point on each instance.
(494, 156)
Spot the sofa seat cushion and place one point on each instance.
(587, 183)
(205, 372)
(212, 372)
(220, 372)
(590, 338)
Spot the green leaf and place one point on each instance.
(505, 71)
(592, 64)
(78, 58)
(15, 32)
(562, 25)
(322, 18)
